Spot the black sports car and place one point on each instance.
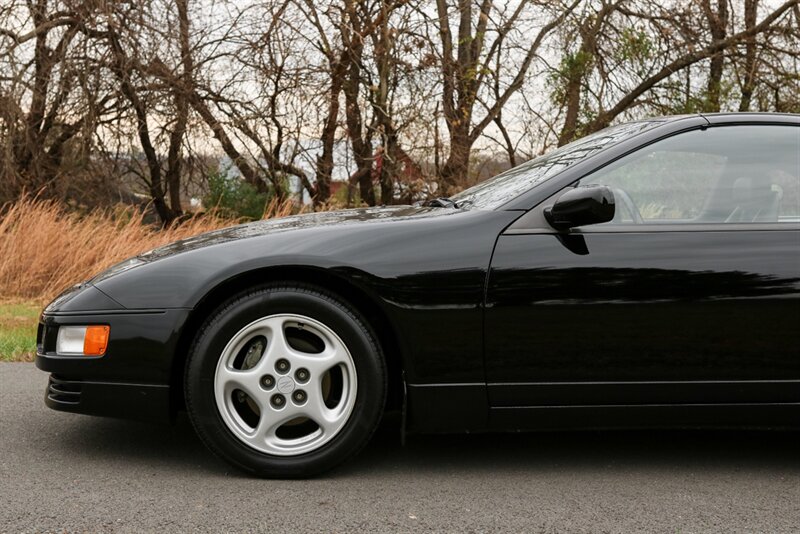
(646, 275)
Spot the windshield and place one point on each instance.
(506, 186)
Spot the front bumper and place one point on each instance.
(112, 399)
(135, 376)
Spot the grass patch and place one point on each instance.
(18, 322)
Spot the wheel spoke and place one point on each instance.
(333, 355)
(230, 379)
(277, 345)
(329, 420)
(269, 423)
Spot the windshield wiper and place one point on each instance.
(445, 202)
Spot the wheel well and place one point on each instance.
(341, 287)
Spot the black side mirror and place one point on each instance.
(591, 204)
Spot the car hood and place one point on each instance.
(330, 219)
(369, 243)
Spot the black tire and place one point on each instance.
(264, 301)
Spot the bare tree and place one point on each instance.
(636, 50)
(397, 99)
(51, 98)
(465, 61)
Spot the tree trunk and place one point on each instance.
(573, 103)
(30, 153)
(361, 144)
(123, 71)
(748, 86)
(718, 24)
(324, 174)
(388, 172)
(174, 164)
(456, 168)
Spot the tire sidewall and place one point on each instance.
(227, 322)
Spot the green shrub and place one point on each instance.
(235, 198)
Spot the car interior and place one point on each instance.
(672, 183)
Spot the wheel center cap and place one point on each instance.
(285, 384)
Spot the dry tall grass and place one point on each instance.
(45, 249)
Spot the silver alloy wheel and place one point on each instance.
(264, 387)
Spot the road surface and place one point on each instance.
(64, 472)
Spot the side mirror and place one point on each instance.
(591, 204)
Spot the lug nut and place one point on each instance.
(302, 375)
(299, 396)
(278, 401)
(282, 366)
(267, 381)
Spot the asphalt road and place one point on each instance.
(63, 472)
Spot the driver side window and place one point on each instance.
(726, 174)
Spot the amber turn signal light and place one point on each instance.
(96, 340)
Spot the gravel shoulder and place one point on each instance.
(64, 472)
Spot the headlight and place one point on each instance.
(89, 340)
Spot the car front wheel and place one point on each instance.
(285, 381)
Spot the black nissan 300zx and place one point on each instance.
(647, 275)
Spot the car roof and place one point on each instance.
(751, 118)
(730, 117)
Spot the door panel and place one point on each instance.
(715, 313)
